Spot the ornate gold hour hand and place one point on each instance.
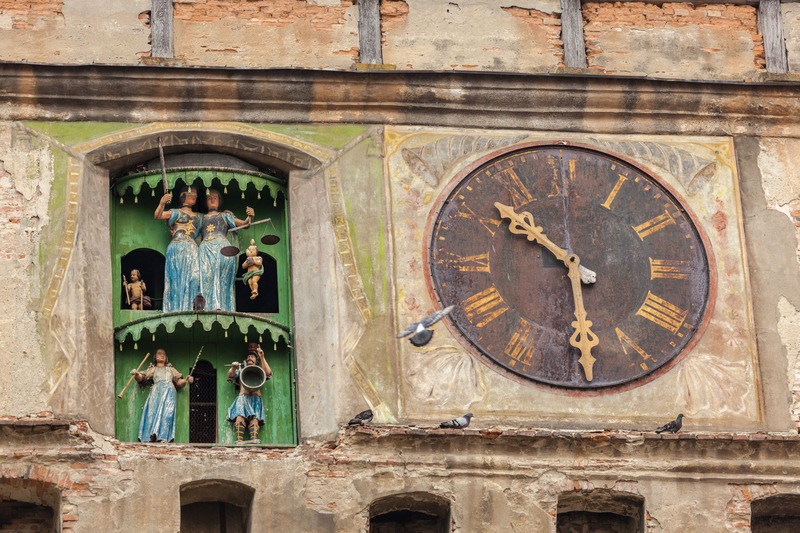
(523, 224)
(583, 338)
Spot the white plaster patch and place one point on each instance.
(789, 332)
(5, 22)
(779, 175)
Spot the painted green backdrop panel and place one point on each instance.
(133, 228)
(277, 393)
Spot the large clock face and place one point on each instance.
(522, 301)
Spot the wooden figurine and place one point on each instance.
(158, 416)
(218, 272)
(248, 409)
(254, 265)
(135, 290)
(181, 273)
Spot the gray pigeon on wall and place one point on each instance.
(457, 423)
(361, 419)
(422, 334)
(672, 427)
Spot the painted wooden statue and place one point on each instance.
(135, 290)
(181, 272)
(248, 408)
(254, 266)
(158, 416)
(217, 271)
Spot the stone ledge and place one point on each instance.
(547, 102)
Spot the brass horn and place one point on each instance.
(252, 377)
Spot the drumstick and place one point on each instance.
(133, 376)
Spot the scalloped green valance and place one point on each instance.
(167, 322)
(241, 178)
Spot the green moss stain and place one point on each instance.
(76, 132)
(334, 136)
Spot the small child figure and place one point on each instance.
(135, 290)
(255, 269)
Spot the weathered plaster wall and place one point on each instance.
(267, 33)
(26, 178)
(74, 31)
(780, 192)
(673, 40)
(430, 35)
(493, 480)
(790, 12)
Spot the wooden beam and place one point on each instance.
(369, 32)
(770, 25)
(161, 29)
(572, 34)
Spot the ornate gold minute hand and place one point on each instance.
(583, 338)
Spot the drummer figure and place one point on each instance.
(248, 409)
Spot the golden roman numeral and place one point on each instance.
(624, 339)
(613, 194)
(661, 312)
(491, 224)
(668, 269)
(654, 224)
(519, 193)
(520, 346)
(468, 263)
(485, 306)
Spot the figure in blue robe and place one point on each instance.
(217, 271)
(158, 415)
(181, 272)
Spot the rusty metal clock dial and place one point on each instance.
(518, 304)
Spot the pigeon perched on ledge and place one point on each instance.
(457, 423)
(672, 427)
(361, 419)
(421, 330)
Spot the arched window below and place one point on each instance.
(775, 514)
(413, 512)
(203, 404)
(600, 510)
(29, 506)
(216, 506)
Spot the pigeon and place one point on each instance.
(422, 333)
(672, 427)
(199, 303)
(457, 423)
(361, 419)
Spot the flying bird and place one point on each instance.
(672, 427)
(457, 423)
(422, 334)
(361, 419)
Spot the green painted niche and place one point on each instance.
(140, 242)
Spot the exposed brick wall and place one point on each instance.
(551, 22)
(393, 13)
(24, 15)
(715, 23)
(262, 12)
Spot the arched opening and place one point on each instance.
(149, 265)
(775, 514)
(216, 506)
(413, 512)
(267, 299)
(600, 510)
(203, 403)
(195, 250)
(29, 506)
